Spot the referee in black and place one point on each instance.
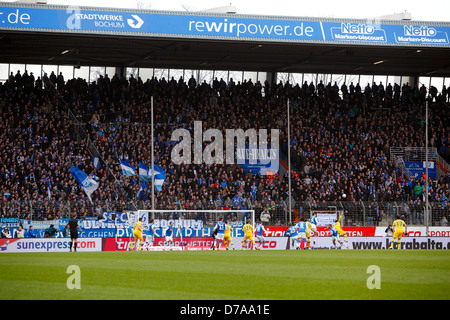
(214, 234)
(73, 227)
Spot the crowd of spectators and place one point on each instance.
(340, 142)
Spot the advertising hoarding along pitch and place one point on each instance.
(221, 27)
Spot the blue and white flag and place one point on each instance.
(88, 184)
(158, 171)
(96, 162)
(49, 193)
(127, 169)
(160, 176)
(143, 172)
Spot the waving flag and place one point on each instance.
(96, 162)
(49, 192)
(145, 175)
(160, 176)
(88, 184)
(143, 172)
(127, 169)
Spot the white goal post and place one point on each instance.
(209, 217)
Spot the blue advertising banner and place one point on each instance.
(107, 228)
(262, 161)
(119, 217)
(222, 27)
(418, 169)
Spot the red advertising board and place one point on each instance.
(324, 232)
(193, 243)
(122, 244)
(48, 245)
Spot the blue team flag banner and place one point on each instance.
(143, 172)
(88, 184)
(127, 169)
(160, 176)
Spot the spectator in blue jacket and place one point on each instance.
(30, 233)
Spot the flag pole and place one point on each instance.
(427, 211)
(289, 160)
(153, 160)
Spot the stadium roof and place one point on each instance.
(321, 45)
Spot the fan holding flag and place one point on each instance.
(88, 184)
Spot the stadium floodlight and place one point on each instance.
(427, 204)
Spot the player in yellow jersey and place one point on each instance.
(248, 234)
(227, 237)
(137, 232)
(399, 229)
(341, 232)
(308, 234)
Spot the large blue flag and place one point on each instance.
(127, 169)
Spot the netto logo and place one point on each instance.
(137, 23)
(420, 31)
(352, 28)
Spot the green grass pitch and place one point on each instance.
(228, 275)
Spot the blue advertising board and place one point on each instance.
(107, 227)
(262, 161)
(417, 169)
(98, 229)
(223, 27)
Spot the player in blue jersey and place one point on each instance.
(260, 231)
(220, 227)
(314, 223)
(334, 236)
(150, 237)
(301, 229)
(169, 236)
(293, 234)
